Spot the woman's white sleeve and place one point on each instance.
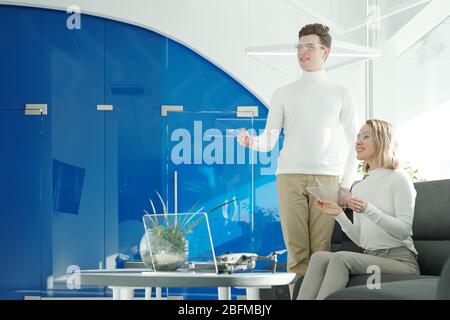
(400, 225)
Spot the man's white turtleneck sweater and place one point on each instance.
(310, 111)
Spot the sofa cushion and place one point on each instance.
(423, 288)
(432, 255)
(361, 280)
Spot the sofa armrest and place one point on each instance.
(443, 291)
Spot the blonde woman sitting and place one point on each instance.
(383, 210)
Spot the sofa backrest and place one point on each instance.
(431, 225)
(443, 291)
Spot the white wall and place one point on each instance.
(392, 71)
(222, 30)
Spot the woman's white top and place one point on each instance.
(387, 221)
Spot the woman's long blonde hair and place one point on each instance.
(386, 142)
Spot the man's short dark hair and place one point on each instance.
(321, 30)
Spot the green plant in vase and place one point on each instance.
(166, 234)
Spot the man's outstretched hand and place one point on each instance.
(245, 139)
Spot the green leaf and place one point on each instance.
(221, 205)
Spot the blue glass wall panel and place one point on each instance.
(134, 63)
(73, 67)
(211, 170)
(200, 85)
(267, 217)
(21, 56)
(20, 199)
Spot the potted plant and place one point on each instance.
(166, 234)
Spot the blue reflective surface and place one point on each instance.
(134, 62)
(98, 169)
(21, 56)
(267, 234)
(212, 169)
(20, 199)
(73, 67)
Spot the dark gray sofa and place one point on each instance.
(431, 235)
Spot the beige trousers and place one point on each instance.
(305, 228)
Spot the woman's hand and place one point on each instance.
(343, 195)
(357, 204)
(328, 207)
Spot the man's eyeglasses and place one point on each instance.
(309, 46)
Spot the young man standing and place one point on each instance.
(310, 111)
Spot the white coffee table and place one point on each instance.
(123, 282)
